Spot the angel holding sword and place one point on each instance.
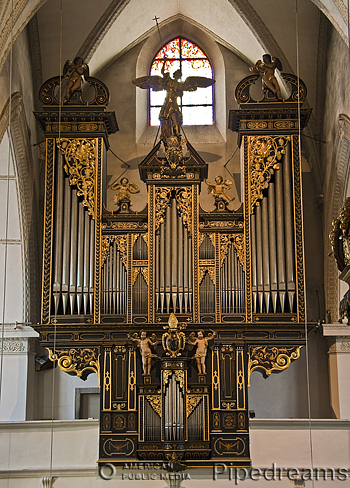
(170, 115)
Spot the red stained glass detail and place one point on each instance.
(170, 50)
(190, 50)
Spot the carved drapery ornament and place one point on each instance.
(264, 154)
(271, 358)
(80, 156)
(78, 360)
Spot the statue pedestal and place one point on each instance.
(338, 336)
(147, 379)
(202, 378)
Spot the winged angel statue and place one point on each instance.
(170, 115)
(74, 71)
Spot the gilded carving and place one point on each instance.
(264, 154)
(271, 358)
(180, 378)
(162, 199)
(76, 360)
(122, 243)
(135, 273)
(156, 403)
(238, 242)
(225, 241)
(144, 271)
(80, 155)
(183, 198)
(191, 403)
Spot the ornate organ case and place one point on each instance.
(172, 270)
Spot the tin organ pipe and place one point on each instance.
(92, 260)
(174, 264)
(254, 268)
(289, 233)
(57, 280)
(265, 253)
(281, 267)
(272, 244)
(73, 251)
(259, 264)
(86, 262)
(232, 282)
(114, 282)
(80, 257)
(66, 244)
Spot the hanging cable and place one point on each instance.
(7, 205)
(58, 162)
(303, 245)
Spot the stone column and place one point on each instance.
(18, 380)
(338, 336)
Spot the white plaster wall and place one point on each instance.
(25, 453)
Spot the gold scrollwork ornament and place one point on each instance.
(264, 154)
(76, 360)
(80, 156)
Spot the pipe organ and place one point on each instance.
(173, 307)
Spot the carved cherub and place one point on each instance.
(143, 343)
(74, 72)
(266, 69)
(218, 188)
(125, 189)
(202, 347)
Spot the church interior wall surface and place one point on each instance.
(41, 402)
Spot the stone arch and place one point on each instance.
(23, 162)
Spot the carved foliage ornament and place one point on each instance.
(77, 361)
(237, 240)
(264, 154)
(191, 403)
(156, 403)
(271, 358)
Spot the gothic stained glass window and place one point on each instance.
(196, 107)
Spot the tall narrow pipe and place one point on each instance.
(259, 264)
(66, 242)
(265, 252)
(80, 258)
(73, 251)
(185, 269)
(254, 263)
(289, 233)
(189, 265)
(272, 244)
(161, 266)
(114, 282)
(167, 257)
(174, 255)
(86, 261)
(92, 263)
(157, 270)
(281, 267)
(57, 278)
(180, 262)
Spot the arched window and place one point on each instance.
(197, 107)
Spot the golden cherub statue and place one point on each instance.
(124, 189)
(170, 115)
(218, 188)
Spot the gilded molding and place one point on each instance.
(271, 358)
(162, 199)
(77, 360)
(191, 403)
(80, 156)
(184, 199)
(264, 154)
(156, 403)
